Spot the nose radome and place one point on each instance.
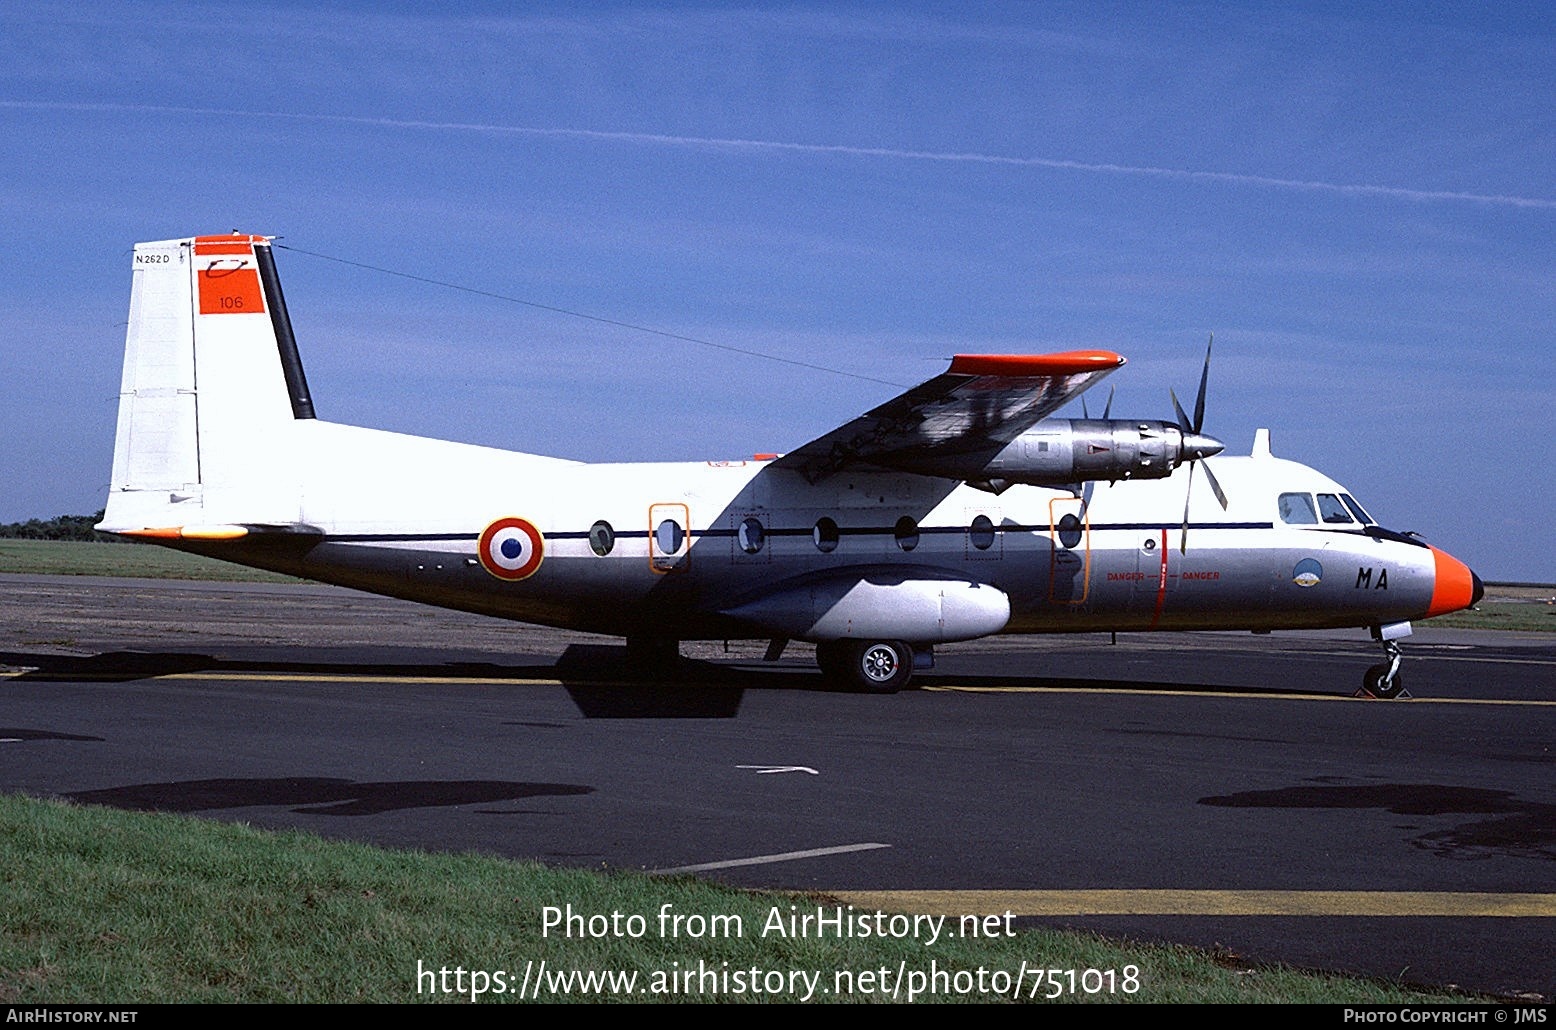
(1455, 586)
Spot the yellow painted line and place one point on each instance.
(361, 677)
(1204, 903)
(1189, 692)
(282, 677)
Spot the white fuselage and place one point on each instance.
(402, 516)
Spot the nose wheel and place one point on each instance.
(1385, 680)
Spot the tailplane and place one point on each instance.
(212, 391)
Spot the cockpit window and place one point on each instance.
(1298, 510)
(1357, 510)
(1333, 511)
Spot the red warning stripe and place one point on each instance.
(231, 244)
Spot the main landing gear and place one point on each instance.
(873, 666)
(1385, 680)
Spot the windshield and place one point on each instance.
(1357, 510)
(1298, 510)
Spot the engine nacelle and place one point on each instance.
(880, 604)
(1064, 451)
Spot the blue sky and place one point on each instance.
(1356, 199)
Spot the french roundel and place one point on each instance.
(511, 549)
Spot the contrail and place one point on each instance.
(713, 142)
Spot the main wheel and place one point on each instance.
(881, 666)
(1377, 683)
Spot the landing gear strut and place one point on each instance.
(1385, 680)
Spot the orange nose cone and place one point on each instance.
(1455, 587)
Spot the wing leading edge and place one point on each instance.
(943, 426)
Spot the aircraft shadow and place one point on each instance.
(316, 795)
(1516, 828)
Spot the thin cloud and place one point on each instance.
(659, 139)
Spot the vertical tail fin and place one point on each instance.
(212, 390)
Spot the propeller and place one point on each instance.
(1197, 446)
(1105, 408)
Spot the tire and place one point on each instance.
(880, 666)
(1373, 682)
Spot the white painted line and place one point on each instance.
(761, 769)
(787, 856)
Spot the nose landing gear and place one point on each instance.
(1385, 680)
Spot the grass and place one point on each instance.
(109, 907)
(70, 558)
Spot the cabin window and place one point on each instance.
(981, 533)
(602, 538)
(1070, 530)
(1357, 510)
(1298, 510)
(825, 534)
(1332, 510)
(669, 536)
(906, 533)
(751, 535)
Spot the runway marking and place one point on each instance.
(787, 856)
(763, 770)
(1190, 692)
(323, 677)
(1206, 903)
(1186, 692)
(361, 677)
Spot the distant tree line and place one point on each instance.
(60, 527)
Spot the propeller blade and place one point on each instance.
(1183, 419)
(1204, 378)
(1215, 487)
(1183, 541)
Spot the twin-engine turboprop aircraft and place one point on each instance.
(954, 511)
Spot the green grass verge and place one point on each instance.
(1526, 617)
(104, 906)
(72, 558)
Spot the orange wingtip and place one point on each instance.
(1067, 363)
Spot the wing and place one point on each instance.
(957, 420)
